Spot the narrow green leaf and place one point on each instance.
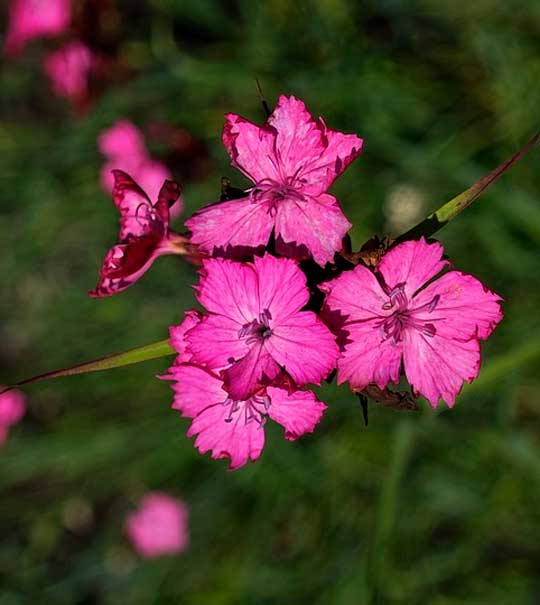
(116, 360)
(457, 205)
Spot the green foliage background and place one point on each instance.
(438, 507)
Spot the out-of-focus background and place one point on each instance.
(434, 507)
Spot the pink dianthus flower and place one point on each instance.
(255, 326)
(159, 526)
(144, 234)
(29, 19)
(401, 314)
(292, 161)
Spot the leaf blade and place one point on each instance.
(154, 350)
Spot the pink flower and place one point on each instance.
(254, 326)
(292, 161)
(124, 147)
(401, 313)
(144, 234)
(69, 70)
(232, 428)
(30, 19)
(159, 526)
(12, 409)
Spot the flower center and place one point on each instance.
(405, 318)
(257, 330)
(272, 192)
(254, 409)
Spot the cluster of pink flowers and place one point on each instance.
(283, 306)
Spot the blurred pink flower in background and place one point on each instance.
(28, 19)
(124, 147)
(12, 409)
(159, 526)
(69, 70)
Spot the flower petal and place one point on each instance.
(355, 294)
(250, 147)
(366, 357)
(412, 263)
(124, 264)
(340, 150)
(304, 347)
(299, 137)
(315, 227)
(195, 389)
(229, 225)
(215, 343)
(307, 148)
(137, 215)
(465, 308)
(229, 289)
(281, 285)
(238, 440)
(177, 335)
(244, 377)
(298, 412)
(436, 367)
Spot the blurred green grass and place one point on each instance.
(440, 508)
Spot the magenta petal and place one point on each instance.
(356, 294)
(237, 440)
(304, 347)
(299, 137)
(298, 412)
(412, 263)
(339, 151)
(229, 225)
(245, 376)
(195, 389)
(281, 286)
(229, 289)
(465, 307)
(122, 266)
(214, 342)
(367, 357)
(250, 147)
(436, 367)
(316, 227)
(177, 336)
